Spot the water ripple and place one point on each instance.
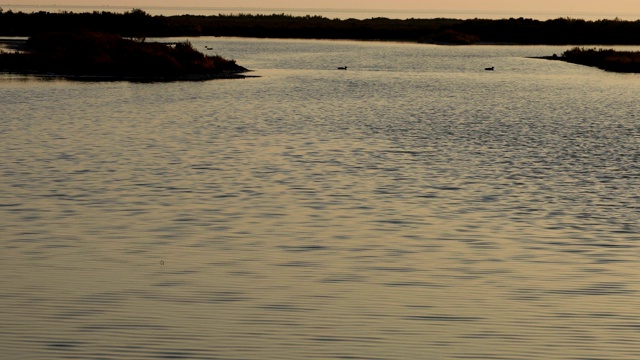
(413, 208)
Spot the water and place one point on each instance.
(414, 206)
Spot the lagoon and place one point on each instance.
(413, 206)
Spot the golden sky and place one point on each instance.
(622, 7)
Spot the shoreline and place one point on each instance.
(9, 45)
(125, 60)
(17, 43)
(622, 62)
(134, 79)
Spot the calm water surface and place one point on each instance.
(414, 206)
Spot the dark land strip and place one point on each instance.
(114, 45)
(86, 55)
(138, 24)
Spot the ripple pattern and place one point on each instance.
(413, 208)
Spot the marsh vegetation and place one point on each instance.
(97, 54)
(606, 59)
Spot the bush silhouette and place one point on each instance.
(606, 59)
(104, 54)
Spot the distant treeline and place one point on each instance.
(137, 23)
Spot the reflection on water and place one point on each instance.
(413, 207)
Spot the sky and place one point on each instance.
(621, 7)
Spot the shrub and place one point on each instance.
(93, 53)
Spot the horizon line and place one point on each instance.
(512, 13)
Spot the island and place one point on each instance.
(89, 55)
(605, 59)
